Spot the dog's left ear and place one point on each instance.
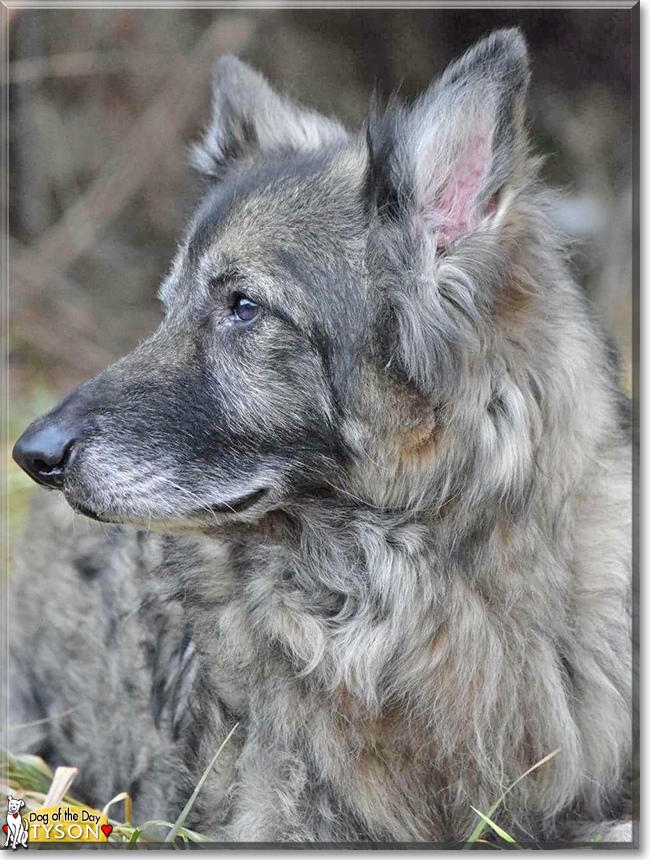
(445, 165)
(249, 118)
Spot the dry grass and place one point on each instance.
(30, 778)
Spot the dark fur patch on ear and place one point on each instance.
(241, 142)
(382, 193)
(250, 118)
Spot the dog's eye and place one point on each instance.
(243, 309)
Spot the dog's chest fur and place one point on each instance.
(331, 673)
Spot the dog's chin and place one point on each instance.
(196, 519)
(86, 512)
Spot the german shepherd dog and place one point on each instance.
(370, 493)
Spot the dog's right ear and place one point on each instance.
(249, 118)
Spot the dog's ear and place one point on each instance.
(443, 177)
(21, 803)
(249, 117)
(10, 797)
(446, 164)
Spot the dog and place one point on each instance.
(15, 827)
(363, 500)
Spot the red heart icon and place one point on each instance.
(15, 815)
(4, 827)
(106, 828)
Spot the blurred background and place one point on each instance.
(103, 103)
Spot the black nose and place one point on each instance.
(43, 452)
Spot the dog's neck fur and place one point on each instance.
(390, 641)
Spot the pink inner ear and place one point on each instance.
(454, 212)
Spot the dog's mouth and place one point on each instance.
(237, 506)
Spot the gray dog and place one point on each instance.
(369, 496)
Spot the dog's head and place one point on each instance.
(13, 805)
(321, 313)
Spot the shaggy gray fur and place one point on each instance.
(424, 588)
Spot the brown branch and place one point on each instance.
(66, 320)
(72, 63)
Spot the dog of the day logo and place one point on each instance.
(15, 827)
(55, 824)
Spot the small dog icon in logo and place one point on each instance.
(15, 828)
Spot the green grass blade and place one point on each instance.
(155, 822)
(180, 821)
(31, 772)
(193, 836)
(480, 827)
(499, 830)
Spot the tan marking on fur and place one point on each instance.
(505, 532)
(420, 445)
(388, 749)
(393, 748)
(515, 303)
(391, 730)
